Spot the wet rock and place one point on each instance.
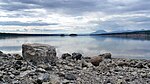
(96, 60)
(18, 57)
(76, 56)
(39, 53)
(70, 77)
(65, 55)
(106, 55)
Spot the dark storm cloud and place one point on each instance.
(17, 23)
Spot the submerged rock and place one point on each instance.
(39, 53)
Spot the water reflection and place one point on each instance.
(87, 45)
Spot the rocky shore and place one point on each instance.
(38, 64)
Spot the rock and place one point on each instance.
(96, 60)
(123, 64)
(19, 62)
(144, 75)
(54, 79)
(38, 81)
(106, 55)
(61, 74)
(70, 77)
(65, 55)
(120, 81)
(139, 65)
(148, 65)
(65, 81)
(44, 66)
(39, 53)
(25, 73)
(84, 64)
(41, 70)
(16, 72)
(76, 56)
(1, 76)
(134, 73)
(12, 76)
(16, 82)
(1, 53)
(44, 77)
(18, 57)
(87, 59)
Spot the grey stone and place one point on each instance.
(65, 55)
(41, 70)
(76, 56)
(18, 57)
(44, 77)
(54, 79)
(106, 55)
(70, 77)
(95, 60)
(39, 53)
(140, 65)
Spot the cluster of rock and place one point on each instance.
(39, 65)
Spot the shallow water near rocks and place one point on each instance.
(86, 45)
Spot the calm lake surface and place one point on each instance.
(87, 45)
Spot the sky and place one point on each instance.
(73, 16)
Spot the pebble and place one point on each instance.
(70, 77)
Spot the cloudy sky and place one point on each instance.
(73, 16)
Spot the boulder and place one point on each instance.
(39, 53)
(76, 56)
(106, 55)
(96, 60)
(65, 55)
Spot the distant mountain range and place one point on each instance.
(99, 32)
(118, 31)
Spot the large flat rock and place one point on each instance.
(39, 53)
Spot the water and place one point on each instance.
(87, 45)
